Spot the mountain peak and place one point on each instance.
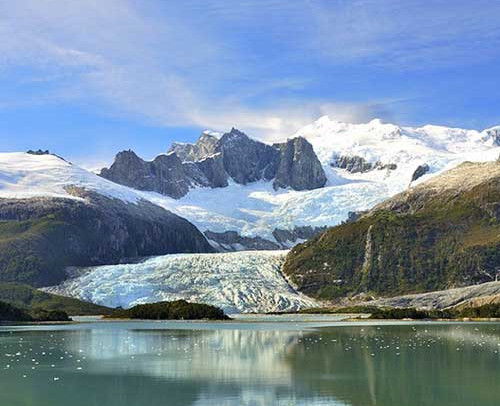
(236, 132)
(376, 122)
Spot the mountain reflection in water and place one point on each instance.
(148, 364)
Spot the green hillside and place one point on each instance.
(28, 298)
(443, 233)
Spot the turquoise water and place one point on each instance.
(251, 362)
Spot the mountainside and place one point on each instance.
(327, 170)
(440, 234)
(27, 298)
(236, 282)
(54, 214)
(245, 194)
(459, 298)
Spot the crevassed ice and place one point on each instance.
(248, 281)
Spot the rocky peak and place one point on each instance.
(299, 167)
(494, 134)
(204, 146)
(247, 160)
(164, 174)
(212, 160)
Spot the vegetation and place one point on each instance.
(482, 312)
(176, 310)
(381, 313)
(411, 313)
(39, 238)
(424, 243)
(10, 313)
(32, 251)
(339, 310)
(26, 297)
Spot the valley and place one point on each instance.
(210, 222)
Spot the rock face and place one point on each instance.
(204, 147)
(299, 167)
(469, 296)
(228, 241)
(212, 161)
(357, 164)
(40, 237)
(419, 172)
(247, 160)
(207, 172)
(298, 233)
(494, 134)
(352, 164)
(165, 174)
(441, 234)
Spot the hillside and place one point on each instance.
(27, 298)
(54, 215)
(275, 195)
(443, 233)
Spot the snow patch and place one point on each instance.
(23, 176)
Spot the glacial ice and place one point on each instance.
(239, 282)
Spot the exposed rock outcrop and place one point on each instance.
(299, 167)
(420, 171)
(298, 233)
(247, 160)
(232, 241)
(358, 164)
(469, 296)
(208, 172)
(352, 164)
(205, 146)
(494, 134)
(165, 174)
(211, 162)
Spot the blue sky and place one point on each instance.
(87, 78)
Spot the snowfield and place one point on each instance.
(23, 176)
(256, 209)
(238, 282)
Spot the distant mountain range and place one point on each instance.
(229, 192)
(244, 194)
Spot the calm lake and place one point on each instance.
(251, 361)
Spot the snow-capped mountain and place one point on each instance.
(54, 214)
(363, 164)
(237, 282)
(243, 194)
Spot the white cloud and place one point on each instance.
(412, 34)
(177, 65)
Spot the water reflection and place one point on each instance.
(454, 364)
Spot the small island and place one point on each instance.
(175, 310)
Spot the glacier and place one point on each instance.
(239, 282)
